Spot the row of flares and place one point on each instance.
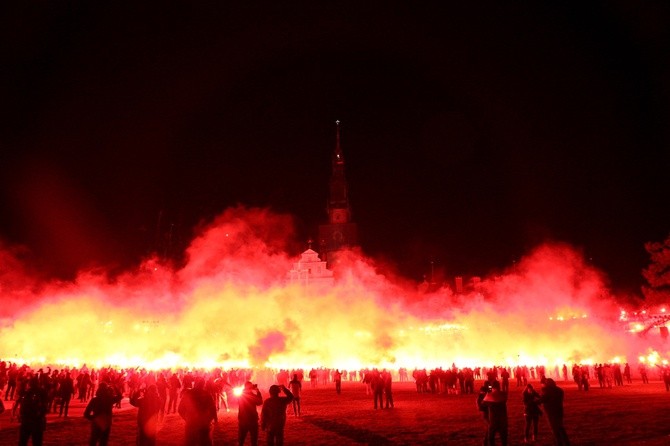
(230, 306)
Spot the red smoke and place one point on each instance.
(231, 305)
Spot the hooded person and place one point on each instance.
(496, 403)
(198, 410)
(148, 403)
(552, 401)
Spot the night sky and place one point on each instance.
(471, 133)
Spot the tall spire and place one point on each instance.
(338, 202)
(339, 158)
(340, 232)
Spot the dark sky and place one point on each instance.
(471, 133)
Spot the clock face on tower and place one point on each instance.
(337, 236)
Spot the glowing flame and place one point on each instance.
(230, 306)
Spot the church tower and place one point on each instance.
(340, 232)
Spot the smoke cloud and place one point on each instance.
(232, 305)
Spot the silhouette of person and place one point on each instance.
(198, 410)
(388, 388)
(83, 383)
(377, 384)
(162, 388)
(174, 384)
(224, 387)
(552, 400)
(643, 374)
(483, 391)
(296, 389)
(12, 382)
(273, 414)
(496, 403)
(148, 402)
(665, 376)
(247, 415)
(99, 412)
(337, 378)
(505, 375)
(32, 408)
(626, 374)
(65, 390)
(531, 412)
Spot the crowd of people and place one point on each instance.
(198, 395)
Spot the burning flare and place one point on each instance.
(231, 306)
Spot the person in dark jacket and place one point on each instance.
(531, 412)
(377, 384)
(32, 409)
(552, 401)
(197, 408)
(496, 403)
(247, 415)
(273, 414)
(65, 390)
(99, 413)
(148, 403)
(296, 390)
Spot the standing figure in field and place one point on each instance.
(247, 415)
(99, 413)
(12, 381)
(296, 389)
(31, 406)
(496, 403)
(83, 383)
(577, 376)
(643, 374)
(223, 387)
(93, 384)
(665, 374)
(483, 409)
(174, 384)
(337, 377)
(367, 380)
(199, 412)
(273, 414)
(504, 375)
(618, 376)
(148, 402)
(531, 412)
(65, 390)
(162, 388)
(377, 384)
(552, 400)
(626, 374)
(388, 388)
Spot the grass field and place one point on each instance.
(635, 414)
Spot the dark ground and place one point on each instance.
(634, 414)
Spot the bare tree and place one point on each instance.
(657, 273)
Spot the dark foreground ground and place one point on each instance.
(635, 414)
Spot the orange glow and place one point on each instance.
(230, 306)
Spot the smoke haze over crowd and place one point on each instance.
(231, 304)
